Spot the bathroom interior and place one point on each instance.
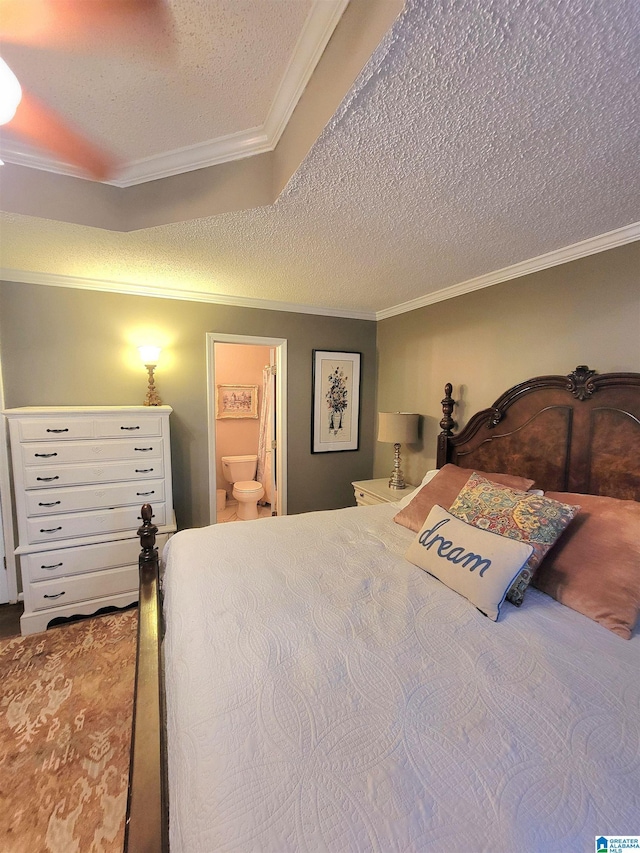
(245, 487)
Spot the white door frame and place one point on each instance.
(280, 346)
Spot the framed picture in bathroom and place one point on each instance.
(335, 416)
(237, 401)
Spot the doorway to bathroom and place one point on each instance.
(246, 399)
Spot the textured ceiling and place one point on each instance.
(482, 133)
(220, 77)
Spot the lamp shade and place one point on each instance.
(398, 427)
(149, 354)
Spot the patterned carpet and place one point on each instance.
(66, 700)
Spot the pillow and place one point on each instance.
(443, 490)
(478, 564)
(595, 567)
(531, 518)
(428, 477)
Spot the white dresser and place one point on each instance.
(80, 477)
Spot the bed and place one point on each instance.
(324, 693)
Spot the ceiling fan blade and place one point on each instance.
(41, 126)
(86, 24)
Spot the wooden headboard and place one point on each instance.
(575, 433)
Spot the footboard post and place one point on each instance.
(146, 828)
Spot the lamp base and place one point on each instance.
(152, 398)
(396, 481)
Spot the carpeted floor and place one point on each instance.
(66, 700)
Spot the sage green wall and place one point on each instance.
(64, 346)
(583, 312)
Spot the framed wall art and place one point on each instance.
(237, 401)
(335, 415)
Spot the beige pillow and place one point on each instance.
(475, 563)
(443, 489)
(595, 566)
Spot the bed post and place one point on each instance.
(146, 827)
(447, 424)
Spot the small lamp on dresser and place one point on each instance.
(397, 428)
(149, 356)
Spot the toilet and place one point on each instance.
(241, 470)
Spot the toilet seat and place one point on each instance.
(247, 487)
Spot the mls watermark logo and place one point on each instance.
(617, 843)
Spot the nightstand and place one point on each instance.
(369, 492)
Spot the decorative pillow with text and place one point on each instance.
(475, 563)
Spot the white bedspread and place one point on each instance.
(326, 695)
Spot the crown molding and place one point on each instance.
(619, 237)
(134, 289)
(314, 36)
(601, 243)
(235, 146)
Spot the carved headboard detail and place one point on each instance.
(575, 433)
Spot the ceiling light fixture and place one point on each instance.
(10, 93)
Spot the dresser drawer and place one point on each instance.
(127, 426)
(52, 476)
(85, 558)
(66, 590)
(78, 498)
(50, 528)
(45, 429)
(60, 453)
(365, 499)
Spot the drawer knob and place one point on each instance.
(66, 429)
(57, 595)
(45, 455)
(47, 479)
(56, 566)
(143, 470)
(50, 530)
(51, 503)
(145, 494)
(135, 427)
(143, 449)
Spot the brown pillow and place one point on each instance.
(594, 567)
(444, 489)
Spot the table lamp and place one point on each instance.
(149, 356)
(397, 428)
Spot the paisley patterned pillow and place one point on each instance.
(527, 517)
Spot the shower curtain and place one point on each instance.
(264, 474)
